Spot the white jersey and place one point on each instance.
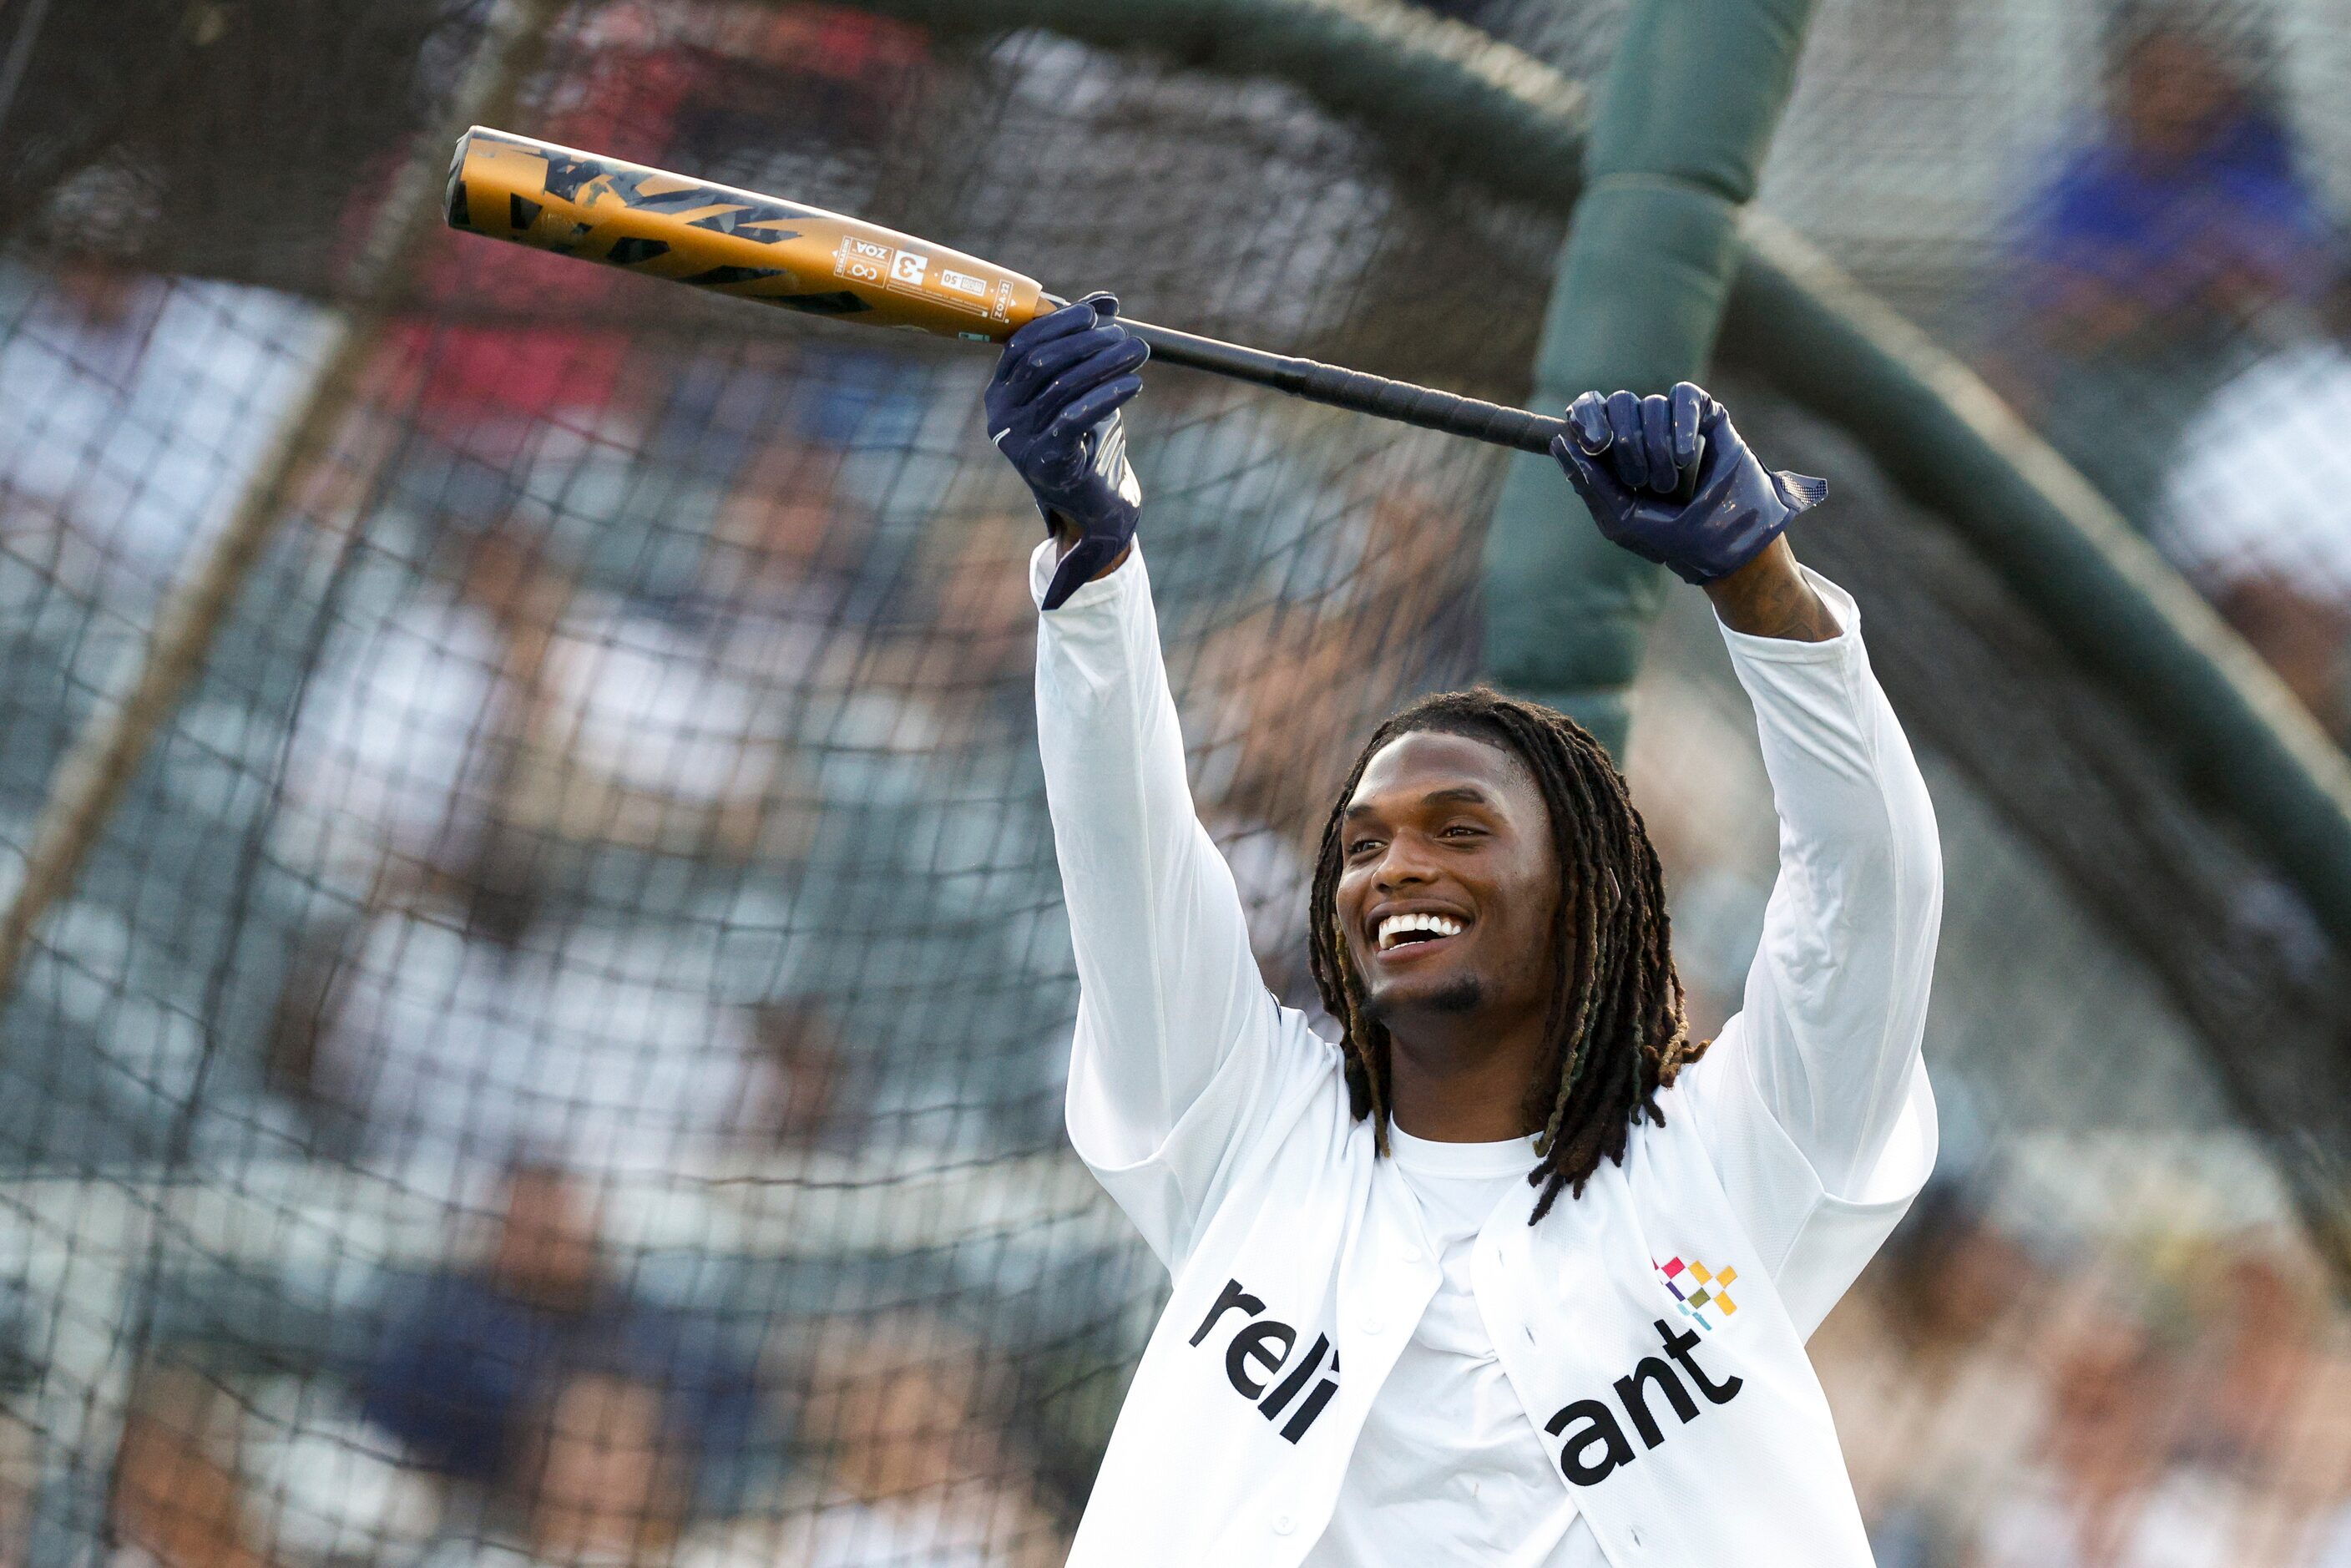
(1651, 1331)
(1447, 1468)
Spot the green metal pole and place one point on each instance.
(1683, 119)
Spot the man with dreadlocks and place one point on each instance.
(1516, 1272)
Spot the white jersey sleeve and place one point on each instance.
(1814, 1099)
(1179, 1048)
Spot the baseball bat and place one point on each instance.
(750, 246)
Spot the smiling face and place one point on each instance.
(1448, 884)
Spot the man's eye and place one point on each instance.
(1464, 829)
(1360, 845)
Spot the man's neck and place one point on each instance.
(1466, 1081)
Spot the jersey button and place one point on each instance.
(1412, 1254)
(1283, 1524)
(1374, 1324)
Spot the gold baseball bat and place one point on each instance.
(739, 242)
(731, 242)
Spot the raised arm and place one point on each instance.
(1835, 1005)
(1827, 1045)
(1168, 989)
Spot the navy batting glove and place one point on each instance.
(1649, 444)
(1052, 410)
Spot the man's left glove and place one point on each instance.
(1052, 410)
(1626, 456)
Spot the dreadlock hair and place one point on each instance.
(1616, 1033)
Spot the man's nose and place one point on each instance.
(1404, 865)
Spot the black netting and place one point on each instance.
(558, 1055)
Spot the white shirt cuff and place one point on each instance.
(1746, 646)
(1048, 555)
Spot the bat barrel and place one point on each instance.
(736, 242)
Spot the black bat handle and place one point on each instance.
(1425, 407)
(1364, 394)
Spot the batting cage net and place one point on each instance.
(554, 1053)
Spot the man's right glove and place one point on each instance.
(1052, 410)
(1739, 507)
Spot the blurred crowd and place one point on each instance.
(656, 740)
(2009, 1402)
(598, 637)
(2177, 324)
(523, 1407)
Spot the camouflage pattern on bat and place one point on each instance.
(732, 242)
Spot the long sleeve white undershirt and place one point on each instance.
(1836, 1000)
(1828, 1037)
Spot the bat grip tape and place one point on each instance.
(1356, 390)
(1425, 407)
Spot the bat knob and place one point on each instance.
(1686, 490)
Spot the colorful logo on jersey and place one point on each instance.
(1703, 1296)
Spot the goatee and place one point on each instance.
(1463, 993)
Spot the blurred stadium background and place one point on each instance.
(554, 1056)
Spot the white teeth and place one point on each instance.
(1396, 926)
